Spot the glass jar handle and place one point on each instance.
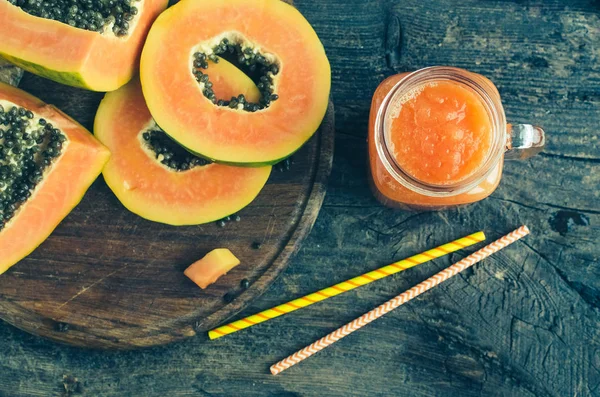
(524, 141)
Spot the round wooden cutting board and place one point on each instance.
(107, 278)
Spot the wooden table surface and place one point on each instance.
(524, 323)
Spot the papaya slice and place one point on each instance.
(272, 42)
(96, 47)
(159, 180)
(209, 269)
(47, 162)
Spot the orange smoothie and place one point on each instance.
(440, 133)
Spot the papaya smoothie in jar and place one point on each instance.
(438, 138)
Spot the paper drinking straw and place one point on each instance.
(399, 300)
(347, 285)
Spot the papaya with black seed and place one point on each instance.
(269, 40)
(158, 179)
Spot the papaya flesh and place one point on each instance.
(209, 269)
(73, 56)
(228, 81)
(267, 36)
(167, 190)
(57, 190)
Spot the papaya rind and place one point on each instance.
(244, 165)
(72, 79)
(234, 164)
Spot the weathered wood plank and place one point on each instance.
(524, 323)
(9, 73)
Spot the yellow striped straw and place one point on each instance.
(347, 285)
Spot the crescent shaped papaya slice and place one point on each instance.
(94, 60)
(157, 179)
(47, 162)
(269, 38)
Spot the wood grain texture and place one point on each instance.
(9, 73)
(523, 323)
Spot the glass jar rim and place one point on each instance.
(483, 88)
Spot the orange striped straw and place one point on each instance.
(399, 300)
(347, 285)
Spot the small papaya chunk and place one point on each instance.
(210, 268)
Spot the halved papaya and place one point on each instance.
(270, 40)
(95, 45)
(159, 180)
(47, 162)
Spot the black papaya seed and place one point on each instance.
(246, 59)
(21, 167)
(173, 155)
(84, 14)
